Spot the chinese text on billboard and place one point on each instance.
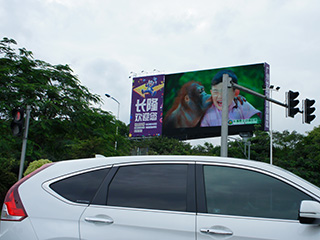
(146, 108)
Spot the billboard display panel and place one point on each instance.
(193, 101)
(146, 106)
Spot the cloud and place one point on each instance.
(104, 40)
(103, 76)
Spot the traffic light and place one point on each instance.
(308, 110)
(292, 103)
(17, 122)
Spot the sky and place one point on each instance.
(105, 41)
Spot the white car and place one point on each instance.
(161, 197)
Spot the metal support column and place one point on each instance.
(225, 116)
(24, 142)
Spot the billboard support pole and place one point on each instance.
(225, 116)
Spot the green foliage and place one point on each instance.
(171, 146)
(164, 146)
(260, 149)
(7, 177)
(63, 123)
(207, 150)
(311, 145)
(52, 91)
(35, 165)
(306, 157)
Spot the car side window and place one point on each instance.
(150, 186)
(242, 192)
(80, 188)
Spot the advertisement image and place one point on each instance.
(146, 106)
(192, 104)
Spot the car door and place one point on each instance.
(144, 201)
(237, 202)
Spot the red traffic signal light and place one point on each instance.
(308, 110)
(17, 121)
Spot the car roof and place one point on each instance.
(80, 164)
(77, 165)
(118, 160)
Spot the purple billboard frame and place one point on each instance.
(267, 94)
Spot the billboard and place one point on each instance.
(190, 103)
(146, 106)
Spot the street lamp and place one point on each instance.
(271, 88)
(109, 96)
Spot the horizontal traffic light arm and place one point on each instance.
(237, 86)
(247, 90)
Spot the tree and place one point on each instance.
(311, 145)
(163, 146)
(307, 157)
(7, 176)
(207, 150)
(286, 148)
(52, 91)
(64, 124)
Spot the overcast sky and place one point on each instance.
(103, 41)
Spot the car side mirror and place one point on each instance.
(309, 212)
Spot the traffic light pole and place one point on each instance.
(225, 115)
(24, 142)
(227, 83)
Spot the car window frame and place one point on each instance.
(46, 185)
(201, 192)
(102, 193)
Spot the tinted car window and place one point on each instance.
(235, 191)
(158, 186)
(82, 187)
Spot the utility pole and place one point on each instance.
(24, 142)
(109, 96)
(271, 88)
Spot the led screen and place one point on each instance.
(192, 102)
